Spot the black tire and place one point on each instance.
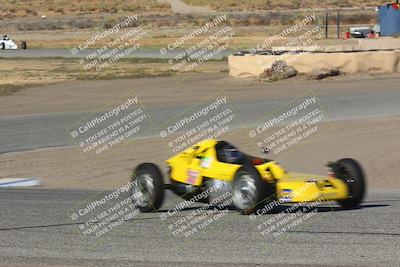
(3, 46)
(351, 173)
(23, 45)
(150, 186)
(248, 201)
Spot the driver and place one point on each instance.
(230, 154)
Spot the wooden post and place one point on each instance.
(326, 24)
(338, 24)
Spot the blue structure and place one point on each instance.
(389, 19)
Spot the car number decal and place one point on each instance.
(193, 176)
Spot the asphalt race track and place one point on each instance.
(35, 228)
(24, 132)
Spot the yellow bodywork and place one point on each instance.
(309, 188)
(199, 161)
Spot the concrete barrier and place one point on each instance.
(353, 45)
(352, 62)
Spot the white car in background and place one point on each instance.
(7, 43)
(360, 32)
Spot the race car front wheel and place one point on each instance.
(352, 174)
(248, 190)
(147, 191)
(2, 46)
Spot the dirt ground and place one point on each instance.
(74, 96)
(371, 141)
(18, 74)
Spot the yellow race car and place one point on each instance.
(213, 168)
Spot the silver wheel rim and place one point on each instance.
(143, 191)
(244, 192)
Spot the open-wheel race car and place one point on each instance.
(7, 44)
(251, 181)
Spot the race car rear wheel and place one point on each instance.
(3, 46)
(23, 45)
(147, 192)
(248, 190)
(352, 174)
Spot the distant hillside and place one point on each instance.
(68, 15)
(12, 8)
(251, 5)
(32, 8)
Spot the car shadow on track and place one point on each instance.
(305, 209)
(287, 208)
